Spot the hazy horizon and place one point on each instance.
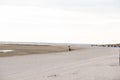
(60, 21)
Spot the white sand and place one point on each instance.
(86, 64)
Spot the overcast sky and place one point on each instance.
(61, 21)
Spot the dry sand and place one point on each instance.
(85, 64)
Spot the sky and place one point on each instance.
(60, 21)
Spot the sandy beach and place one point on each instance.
(59, 39)
(91, 63)
(13, 49)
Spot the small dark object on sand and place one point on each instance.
(52, 75)
(69, 48)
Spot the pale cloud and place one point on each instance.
(64, 3)
(47, 24)
(40, 3)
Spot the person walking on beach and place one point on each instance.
(69, 48)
